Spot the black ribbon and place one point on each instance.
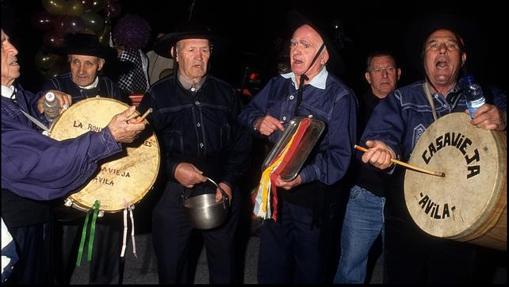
(303, 78)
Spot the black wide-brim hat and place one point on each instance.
(86, 44)
(185, 31)
(296, 19)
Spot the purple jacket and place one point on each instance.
(37, 167)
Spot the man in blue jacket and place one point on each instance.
(411, 256)
(36, 168)
(290, 249)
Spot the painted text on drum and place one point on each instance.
(460, 142)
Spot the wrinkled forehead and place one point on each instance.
(4, 36)
(443, 34)
(84, 58)
(193, 43)
(307, 32)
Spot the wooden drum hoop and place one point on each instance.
(122, 180)
(470, 202)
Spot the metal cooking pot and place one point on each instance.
(203, 210)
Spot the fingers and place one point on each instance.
(65, 100)
(379, 154)
(287, 185)
(124, 131)
(488, 117)
(226, 189)
(268, 124)
(188, 175)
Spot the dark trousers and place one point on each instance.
(105, 264)
(32, 248)
(290, 248)
(171, 233)
(413, 257)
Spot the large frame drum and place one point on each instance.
(122, 180)
(470, 202)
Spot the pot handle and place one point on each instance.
(225, 196)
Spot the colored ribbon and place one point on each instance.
(94, 211)
(266, 198)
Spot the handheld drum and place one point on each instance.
(470, 202)
(122, 180)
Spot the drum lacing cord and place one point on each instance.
(94, 211)
(124, 238)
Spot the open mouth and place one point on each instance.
(441, 63)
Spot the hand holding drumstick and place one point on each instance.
(136, 114)
(382, 156)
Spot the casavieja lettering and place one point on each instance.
(461, 143)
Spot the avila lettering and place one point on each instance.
(434, 210)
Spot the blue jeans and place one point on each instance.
(364, 221)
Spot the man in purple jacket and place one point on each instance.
(36, 168)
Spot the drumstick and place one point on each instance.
(435, 173)
(146, 113)
(135, 114)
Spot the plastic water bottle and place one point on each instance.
(473, 93)
(51, 107)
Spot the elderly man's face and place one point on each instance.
(443, 58)
(382, 75)
(10, 66)
(304, 45)
(84, 69)
(193, 57)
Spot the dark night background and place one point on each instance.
(254, 31)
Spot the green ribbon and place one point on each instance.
(94, 211)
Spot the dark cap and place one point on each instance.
(296, 19)
(185, 31)
(86, 44)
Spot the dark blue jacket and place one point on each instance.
(403, 116)
(199, 128)
(105, 88)
(335, 105)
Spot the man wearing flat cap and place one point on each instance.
(194, 115)
(87, 57)
(292, 248)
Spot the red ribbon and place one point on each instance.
(295, 146)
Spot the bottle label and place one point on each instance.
(474, 105)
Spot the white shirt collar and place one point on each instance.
(319, 81)
(93, 85)
(7, 92)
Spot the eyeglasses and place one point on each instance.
(436, 45)
(305, 44)
(389, 69)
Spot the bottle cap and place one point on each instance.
(50, 97)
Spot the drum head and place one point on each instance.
(474, 162)
(122, 180)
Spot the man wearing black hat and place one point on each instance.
(195, 115)
(292, 249)
(87, 57)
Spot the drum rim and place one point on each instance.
(84, 207)
(483, 217)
